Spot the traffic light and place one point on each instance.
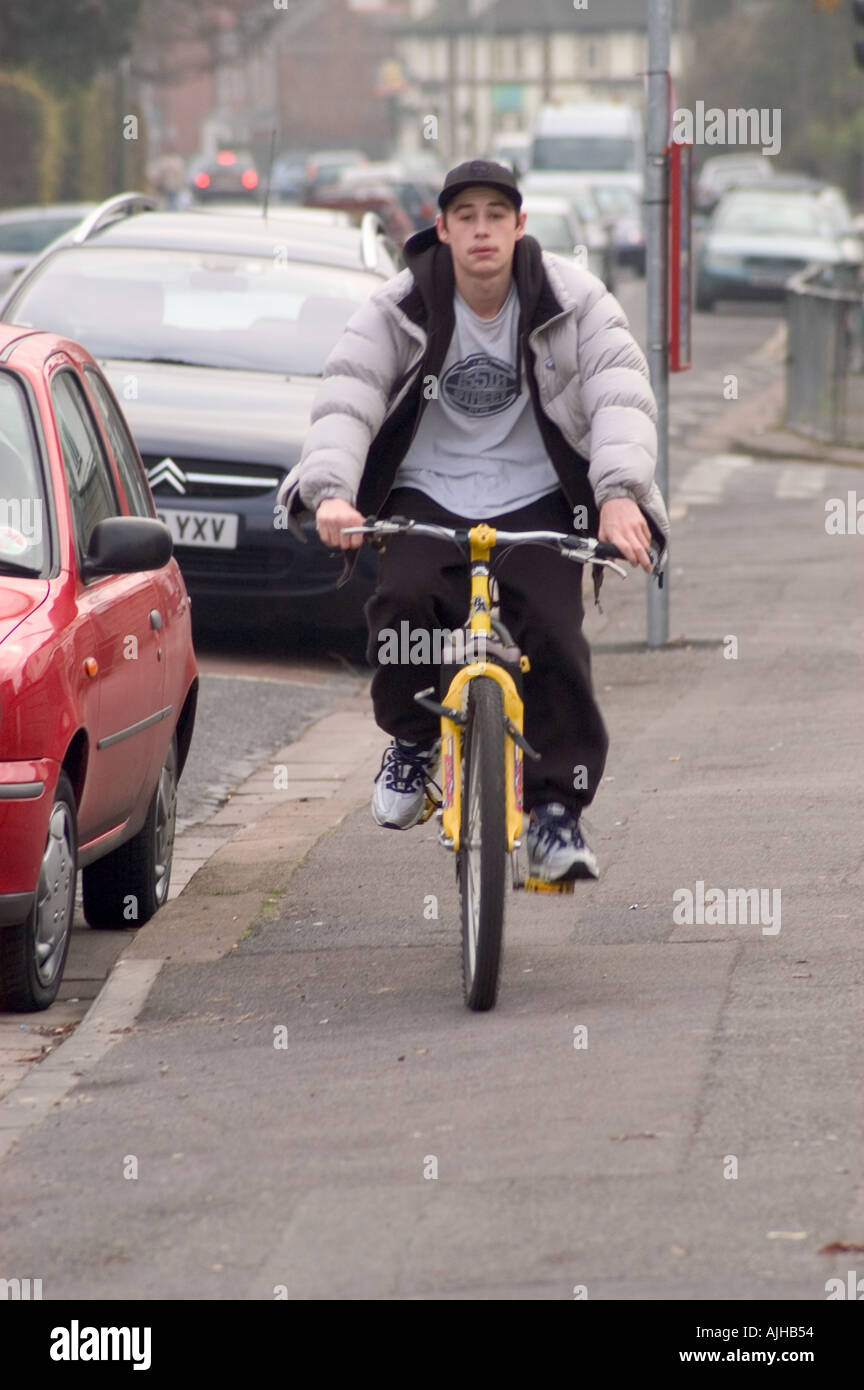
(858, 12)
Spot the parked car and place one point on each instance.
(621, 210)
(721, 172)
(758, 238)
(362, 196)
(26, 231)
(213, 330)
(555, 224)
(417, 196)
(285, 212)
(328, 166)
(98, 682)
(596, 233)
(232, 174)
(288, 178)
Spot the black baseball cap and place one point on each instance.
(479, 171)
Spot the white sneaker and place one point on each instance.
(557, 852)
(399, 799)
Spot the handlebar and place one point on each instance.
(584, 549)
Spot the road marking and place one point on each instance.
(706, 480)
(801, 481)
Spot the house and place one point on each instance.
(473, 69)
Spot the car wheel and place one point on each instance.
(704, 301)
(129, 885)
(33, 954)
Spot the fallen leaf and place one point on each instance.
(643, 1134)
(786, 1235)
(840, 1247)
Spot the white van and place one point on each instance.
(589, 139)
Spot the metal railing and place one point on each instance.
(825, 360)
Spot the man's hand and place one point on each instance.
(622, 523)
(331, 516)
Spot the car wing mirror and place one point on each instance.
(127, 545)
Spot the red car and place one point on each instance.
(98, 680)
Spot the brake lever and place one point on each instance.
(586, 558)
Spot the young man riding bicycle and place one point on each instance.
(489, 381)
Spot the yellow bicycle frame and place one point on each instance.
(482, 540)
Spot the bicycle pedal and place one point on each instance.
(542, 885)
(429, 810)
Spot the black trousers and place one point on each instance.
(425, 582)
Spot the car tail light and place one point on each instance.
(202, 180)
(249, 178)
(226, 157)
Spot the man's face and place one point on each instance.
(481, 230)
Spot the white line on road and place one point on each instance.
(706, 480)
(801, 481)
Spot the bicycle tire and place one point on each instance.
(482, 857)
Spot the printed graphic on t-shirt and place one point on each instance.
(480, 385)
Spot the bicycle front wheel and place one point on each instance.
(482, 859)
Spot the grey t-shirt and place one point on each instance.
(478, 450)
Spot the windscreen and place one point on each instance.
(773, 215)
(584, 152)
(199, 308)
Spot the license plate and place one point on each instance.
(213, 530)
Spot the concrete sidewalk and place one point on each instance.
(228, 874)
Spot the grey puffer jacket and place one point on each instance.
(587, 376)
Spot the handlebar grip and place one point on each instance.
(605, 550)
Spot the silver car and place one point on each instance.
(759, 238)
(557, 226)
